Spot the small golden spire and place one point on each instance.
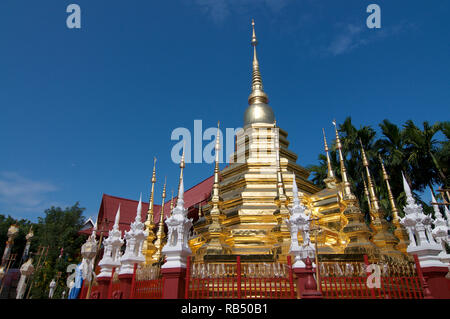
(160, 234)
(330, 173)
(257, 95)
(388, 186)
(149, 222)
(366, 191)
(214, 244)
(148, 248)
(373, 196)
(348, 195)
(199, 210)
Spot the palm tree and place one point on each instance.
(421, 147)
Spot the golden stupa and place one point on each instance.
(250, 198)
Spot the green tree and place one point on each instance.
(57, 230)
(421, 149)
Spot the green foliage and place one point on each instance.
(409, 149)
(57, 229)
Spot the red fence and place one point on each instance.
(348, 280)
(239, 280)
(146, 284)
(148, 289)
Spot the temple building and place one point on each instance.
(242, 209)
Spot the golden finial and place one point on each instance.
(199, 210)
(388, 186)
(348, 195)
(330, 173)
(149, 222)
(373, 196)
(257, 95)
(160, 234)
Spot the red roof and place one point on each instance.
(128, 207)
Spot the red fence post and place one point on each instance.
(133, 282)
(111, 284)
(82, 294)
(291, 277)
(173, 282)
(188, 272)
(426, 290)
(310, 291)
(238, 270)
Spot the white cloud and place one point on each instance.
(347, 40)
(352, 36)
(219, 10)
(20, 195)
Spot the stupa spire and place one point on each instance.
(330, 173)
(117, 219)
(348, 195)
(182, 165)
(296, 199)
(257, 95)
(373, 196)
(150, 223)
(180, 198)
(139, 210)
(148, 248)
(214, 238)
(388, 186)
(160, 234)
(437, 212)
(409, 196)
(366, 191)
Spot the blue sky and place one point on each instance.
(83, 112)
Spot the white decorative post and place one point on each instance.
(89, 251)
(52, 288)
(13, 231)
(447, 215)
(177, 248)
(299, 221)
(26, 251)
(418, 226)
(440, 231)
(134, 241)
(112, 244)
(26, 270)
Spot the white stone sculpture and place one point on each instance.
(112, 244)
(440, 231)
(27, 269)
(134, 241)
(89, 251)
(418, 226)
(178, 225)
(52, 288)
(299, 221)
